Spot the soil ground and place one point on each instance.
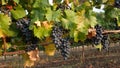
(92, 59)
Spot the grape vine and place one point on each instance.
(36, 20)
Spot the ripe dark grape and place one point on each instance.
(97, 39)
(27, 35)
(105, 42)
(61, 43)
(100, 38)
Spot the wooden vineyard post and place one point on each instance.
(83, 54)
(4, 45)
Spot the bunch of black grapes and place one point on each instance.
(27, 35)
(97, 39)
(105, 42)
(62, 44)
(100, 38)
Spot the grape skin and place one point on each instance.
(61, 43)
(100, 38)
(27, 35)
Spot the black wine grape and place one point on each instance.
(27, 35)
(62, 44)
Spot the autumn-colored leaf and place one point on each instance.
(27, 61)
(91, 33)
(33, 55)
(46, 24)
(50, 49)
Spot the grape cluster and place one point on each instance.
(105, 42)
(99, 35)
(27, 35)
(117, 3)
(100, 38)
(61, 43)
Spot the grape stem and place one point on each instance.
(111, 31)
(13, 53)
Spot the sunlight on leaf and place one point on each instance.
(18, 12)
(50, 49)
(99, 46)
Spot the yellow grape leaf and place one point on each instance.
(87, 3)
(99, 46)
(7, 45)
(1, 33)
(33, 55)
(50, 49)
(111, 2)
(1, 52)
(27, 61)
(104, 1)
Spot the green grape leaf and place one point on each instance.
(52, 15)
(79, 36)
(38, 14)
(92, 21)
(118, 20)
(70, 15)
(76, 36)
(57, 1)
(4, 2)
(6, 27)
(17, 1)
(18, 12)
(38, 32)
(41, 32)
(111, 12)
(4, 21)
(41, 3)
(68, 24)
